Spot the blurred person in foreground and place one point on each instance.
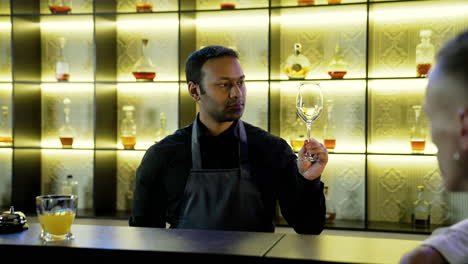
(446, 105)
(222, 173)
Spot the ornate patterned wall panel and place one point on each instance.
(392, 182)
(79, 46)
(244, 31)
(5, 49)
(81, 113)
(394, 32)
(215, 4)
(77, 6)
(57, 164)
(127, 164)
(5, 177)
(256, 107)
(162, 32)
(319, 31)
(391, 116)
(348, 114)
(158, 5)
(149, 100)
(345, 176)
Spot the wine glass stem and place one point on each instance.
(308, 125)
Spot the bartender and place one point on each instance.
(221, 173)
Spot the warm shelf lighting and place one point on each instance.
(323, 15)
(67, 88)
(5, 26)
(67, 25)
(6, 88)
(160, 22)
(243, 19)
(418, 11)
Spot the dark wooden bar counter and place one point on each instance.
(123, 242)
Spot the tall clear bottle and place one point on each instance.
(144, 70)
(421, 216)
(67, 132)
(5, 127)
(162, 130)
(144, 6)
(424, 54)
(128, 128)
(418, 131)
(62, 67)
(297, 65)
(329, 128)
(69, 185)
(330, 213)
(338, 66)
(60, 6)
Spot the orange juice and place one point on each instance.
(58, 223)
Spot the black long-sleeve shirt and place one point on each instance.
(165, 167)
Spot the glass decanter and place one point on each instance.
(143, 6)
(162, 130)
(330, 213)
(329, 128)
(421, 215)
(305, 2)
(298, 138)
(62, 68)
(424, 54)
(67, 132)
(128, 127)
(5, 127)
(144, 69)
(227, 5)
(418, 131)
(60, 6)
(338, 66)
(297, 65)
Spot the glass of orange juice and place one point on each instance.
(56, 214)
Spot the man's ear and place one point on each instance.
(194, 91)
(463, 118)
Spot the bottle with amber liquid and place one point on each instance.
(5, 127)
(329, 128)
(67, 132)
(424, 54)
(144, 6)
(128, 128)
(418, 132)
(227, 5)
(338, 66)
(297, 65)
(334, 2)
(162, 130)
(421, 216)
(305, 2)
(60, 6)
(330, 212)
(144, 70)
(62, 68)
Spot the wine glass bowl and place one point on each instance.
(309, 106)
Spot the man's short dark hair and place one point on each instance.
(196, 60)
(453, 57)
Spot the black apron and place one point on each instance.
(221, 199)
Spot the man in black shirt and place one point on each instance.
(222, 173)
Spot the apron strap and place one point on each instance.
(243, 148)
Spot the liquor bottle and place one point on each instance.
(334, 2)
(330, 213)
(67, 132)
(60, 6)
(144, 68)
(305, 2)
(128, 128)
(329, 128)
(297, 65)
(70, 186)
(424, 54)
(227, 5)
(62, 68)
(162, 130)
(418, 132)
(421, 216)
(5, 127)
(143, 6)
(338, 66)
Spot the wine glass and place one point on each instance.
(309, 106)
